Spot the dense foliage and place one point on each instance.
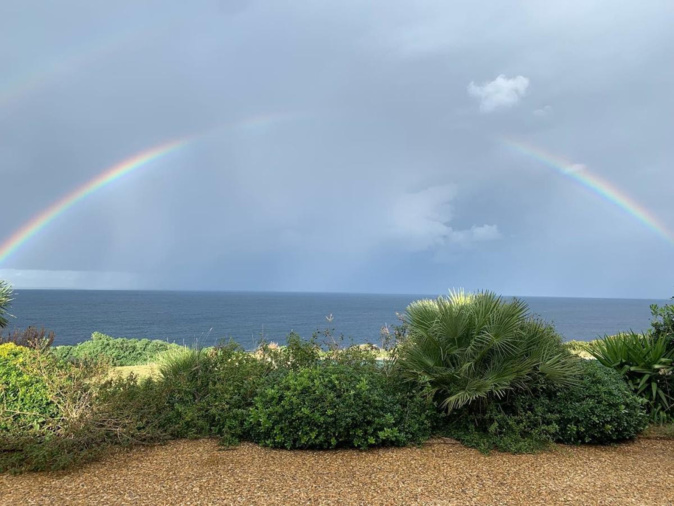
(600, 409)
(662, 324)
(337, 405)
(474, 367)
(469, 347)
(5, 301)
(210, 392)
(118, 351)
(647, 365)
(25, 399)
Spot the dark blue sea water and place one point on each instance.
(206, 317)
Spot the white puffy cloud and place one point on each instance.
(422, 221)
(501, 92)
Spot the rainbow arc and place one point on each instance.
(601, 187)
(40, 221)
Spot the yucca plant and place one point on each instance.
(5, 301)
(468, 347)
(646, 364)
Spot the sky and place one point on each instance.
(341, 146)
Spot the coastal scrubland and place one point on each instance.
(476, 369)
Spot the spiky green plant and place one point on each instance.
(5, 301)
(467, 347)
(646, 364)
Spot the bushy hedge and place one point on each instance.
(297, 396)
(337, 405)
(119, 351)
(209, 392)
(25, 399)
(599, 409)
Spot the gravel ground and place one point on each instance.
(440, 472)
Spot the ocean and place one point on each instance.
(204, 318)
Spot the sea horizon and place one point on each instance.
(312, 292)
(209, 316)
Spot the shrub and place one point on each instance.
(210, 392)
(76, 414)
(336, 405)
(469, 347)
(519, 423)
(90, 418)
(662, 324)
(600, 409)
(117, 351)
(296, 354)
(25, 400)
(29, 338)
(645, 362)
(5, 301)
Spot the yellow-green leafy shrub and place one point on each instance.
(25, 400)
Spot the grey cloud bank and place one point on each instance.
(345, 147)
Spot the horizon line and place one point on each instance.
(313, 292)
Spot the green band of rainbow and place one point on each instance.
(599, 186)
(110, 175)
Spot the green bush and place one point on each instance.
(5, 301)
(336, 405)
(599, 409)
(646, 364)
(25, 399)
(91, 417)
(471, 347)
(118, 351)
(662, 324)
(519, 423)
(210, 392)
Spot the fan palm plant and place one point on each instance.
(467, 347)
(5, 300)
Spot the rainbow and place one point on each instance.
(596, 184)
(37, 223)
(40, 221)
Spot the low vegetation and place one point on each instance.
(338, 405)
(647, 365)
(469, 348)
(474, 367)
(5, 301)
(119, 351)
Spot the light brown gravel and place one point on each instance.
(440, 472)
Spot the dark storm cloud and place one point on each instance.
(342, 146)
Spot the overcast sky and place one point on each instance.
(340, 146)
